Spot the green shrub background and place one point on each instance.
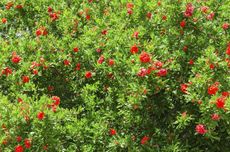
(115, 97)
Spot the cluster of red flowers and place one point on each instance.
(212, 90)
(56, 102)
(183, 88)
(129, 7)
(144, 57)
(210, 16)
(7, 71)
(15, 58)
(88, 74)
(25, 79)
(41, 115)
(143, 72)
(20, 148)
(225, 26)
(144, 140)
(183, 23)
(220, 102)
(157, 65)
(228, 49)
(112, 132)
(75, 49)
(11, 4)
(66, 62)
(134, 49)
(200, 129)
(4, 20)
(101, 59)
(135, 35)
(53, 15)
(189, 10)
(162, 72)
(41, 31)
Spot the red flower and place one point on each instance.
(182, 24)
(159, 3)
(98, 50)
(101, 59)
(9, 5)
(16, 59)
(144, 57)
(185, 48)
(20, 100)
(149, 15)
(212, 66)
(25, 79)
(87, 17)
(88, 74)
(144, 140)
(56, 100)
(212, 90)
(41, 115)
(162, 72)
(142, 72)
(158, 64)
(39, 32)
(19, 6)
(7, 71)
(215, 116)
(54, 108)
(191, 62)
(19, 148)
(220, 102)
(4, 20)
(129, 11)
(211, 16)
(45, 147)
(75, 49)
(19, 138)
(129, 5)
(4, 142)
(135, 34)
(204, 9)
(200, 129)
(183, 88)
(164, 17)
(111, 62)
(225, 26)
(112, 132)
(104, 32)
(225, 94)
(35, 72)
(66, 62)
(134, 49)
(189, 10)
(45, 32)
(228, 50)
(149, 70)
(27, 143)
(49, 9)
(54, 16)
(78, 66)
(50, 88)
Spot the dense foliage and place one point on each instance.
(114, 75)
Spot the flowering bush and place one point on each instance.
(93, 75)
